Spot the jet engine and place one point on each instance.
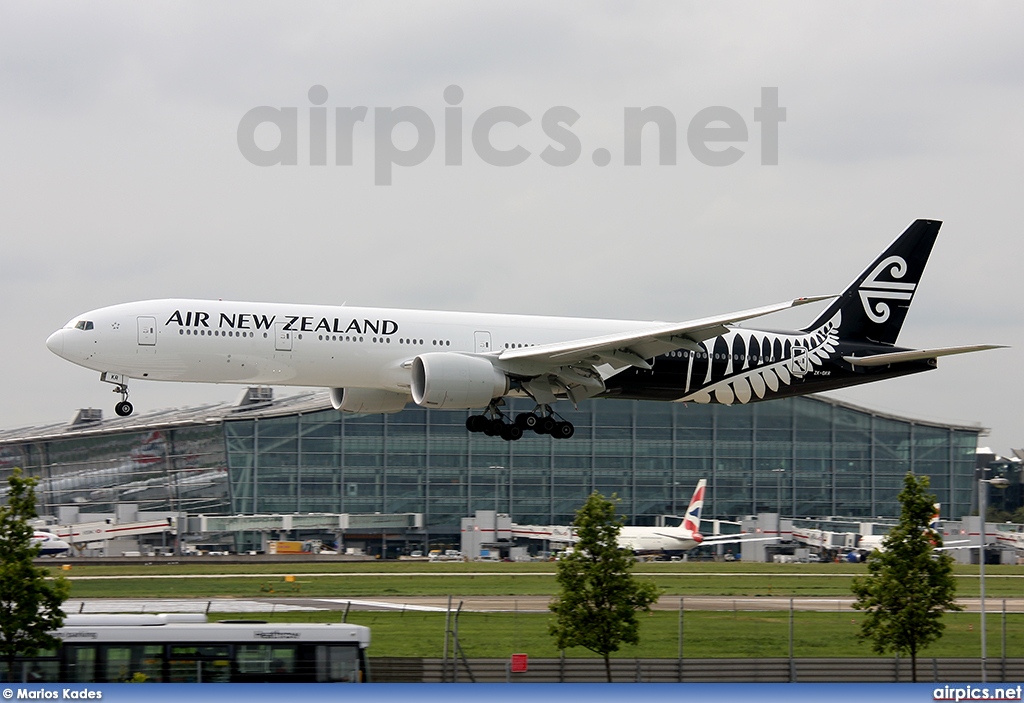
(367, 400)
(457, 381)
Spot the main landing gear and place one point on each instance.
(124, 408)
(494, 423)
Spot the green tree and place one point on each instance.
(909, 585)
(29, 601)
(599, 599)
(1018, 515)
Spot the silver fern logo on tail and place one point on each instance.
(881, 291)
(796, 356)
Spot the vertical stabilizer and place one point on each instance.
(691, 521)
(875, 305)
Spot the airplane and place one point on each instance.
(377, 360)
(866, 544)
(49, 543)
(649, 540)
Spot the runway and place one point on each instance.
(508, 604)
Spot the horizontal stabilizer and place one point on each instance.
(915, 355)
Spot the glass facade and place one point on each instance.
(803, 457)
(168, 469)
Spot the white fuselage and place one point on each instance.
(657, 539)
(299, 345)
(49, 543)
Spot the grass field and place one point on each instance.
(369, 579)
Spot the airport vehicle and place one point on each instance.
(49, 543)
(184, 648)
(379, 360)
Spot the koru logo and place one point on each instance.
(880, 291)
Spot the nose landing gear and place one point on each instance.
(120, 381)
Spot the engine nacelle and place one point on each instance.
(367, 400)
(456, 381)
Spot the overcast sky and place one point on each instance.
(123, 178)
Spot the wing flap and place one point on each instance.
(916, 355)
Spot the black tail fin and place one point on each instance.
(876, 303)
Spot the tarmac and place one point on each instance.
(522, 604)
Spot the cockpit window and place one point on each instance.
(83, 325)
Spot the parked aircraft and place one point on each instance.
(869, 543)
(49, 543)
(686, 536)
(650, 540)
(379, 360)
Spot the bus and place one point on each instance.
(185, 648)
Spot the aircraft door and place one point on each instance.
(483, 342)
(800, 364)
(282, 337)
(147, 331)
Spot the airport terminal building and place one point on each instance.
(803, 457)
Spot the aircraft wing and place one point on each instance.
(736, 539)
(716, 539)
(915, 355)
(962, 542)
(677, 538)
(633, 348)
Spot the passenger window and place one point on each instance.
(134, 663)
(266, 662)
(82, 663)
(337, 663)
(200, 664)
(40, 671)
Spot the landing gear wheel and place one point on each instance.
(527, 421)
(476, 423)
(510, 433)
(546, 425)
(124, 408)
(563, 430)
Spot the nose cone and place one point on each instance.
(55, 342)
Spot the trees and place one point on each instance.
(909, 585)
(599, 599)
(29, 603)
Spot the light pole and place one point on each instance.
(778, 489)
(982, 509)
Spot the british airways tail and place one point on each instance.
(691, 521)
(875, 305)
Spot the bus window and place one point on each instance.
(130, 663)
(42, 671)
(81, 660)
(200, 664)
(266, 662)
(337, 663)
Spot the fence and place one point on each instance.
(777, 670)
